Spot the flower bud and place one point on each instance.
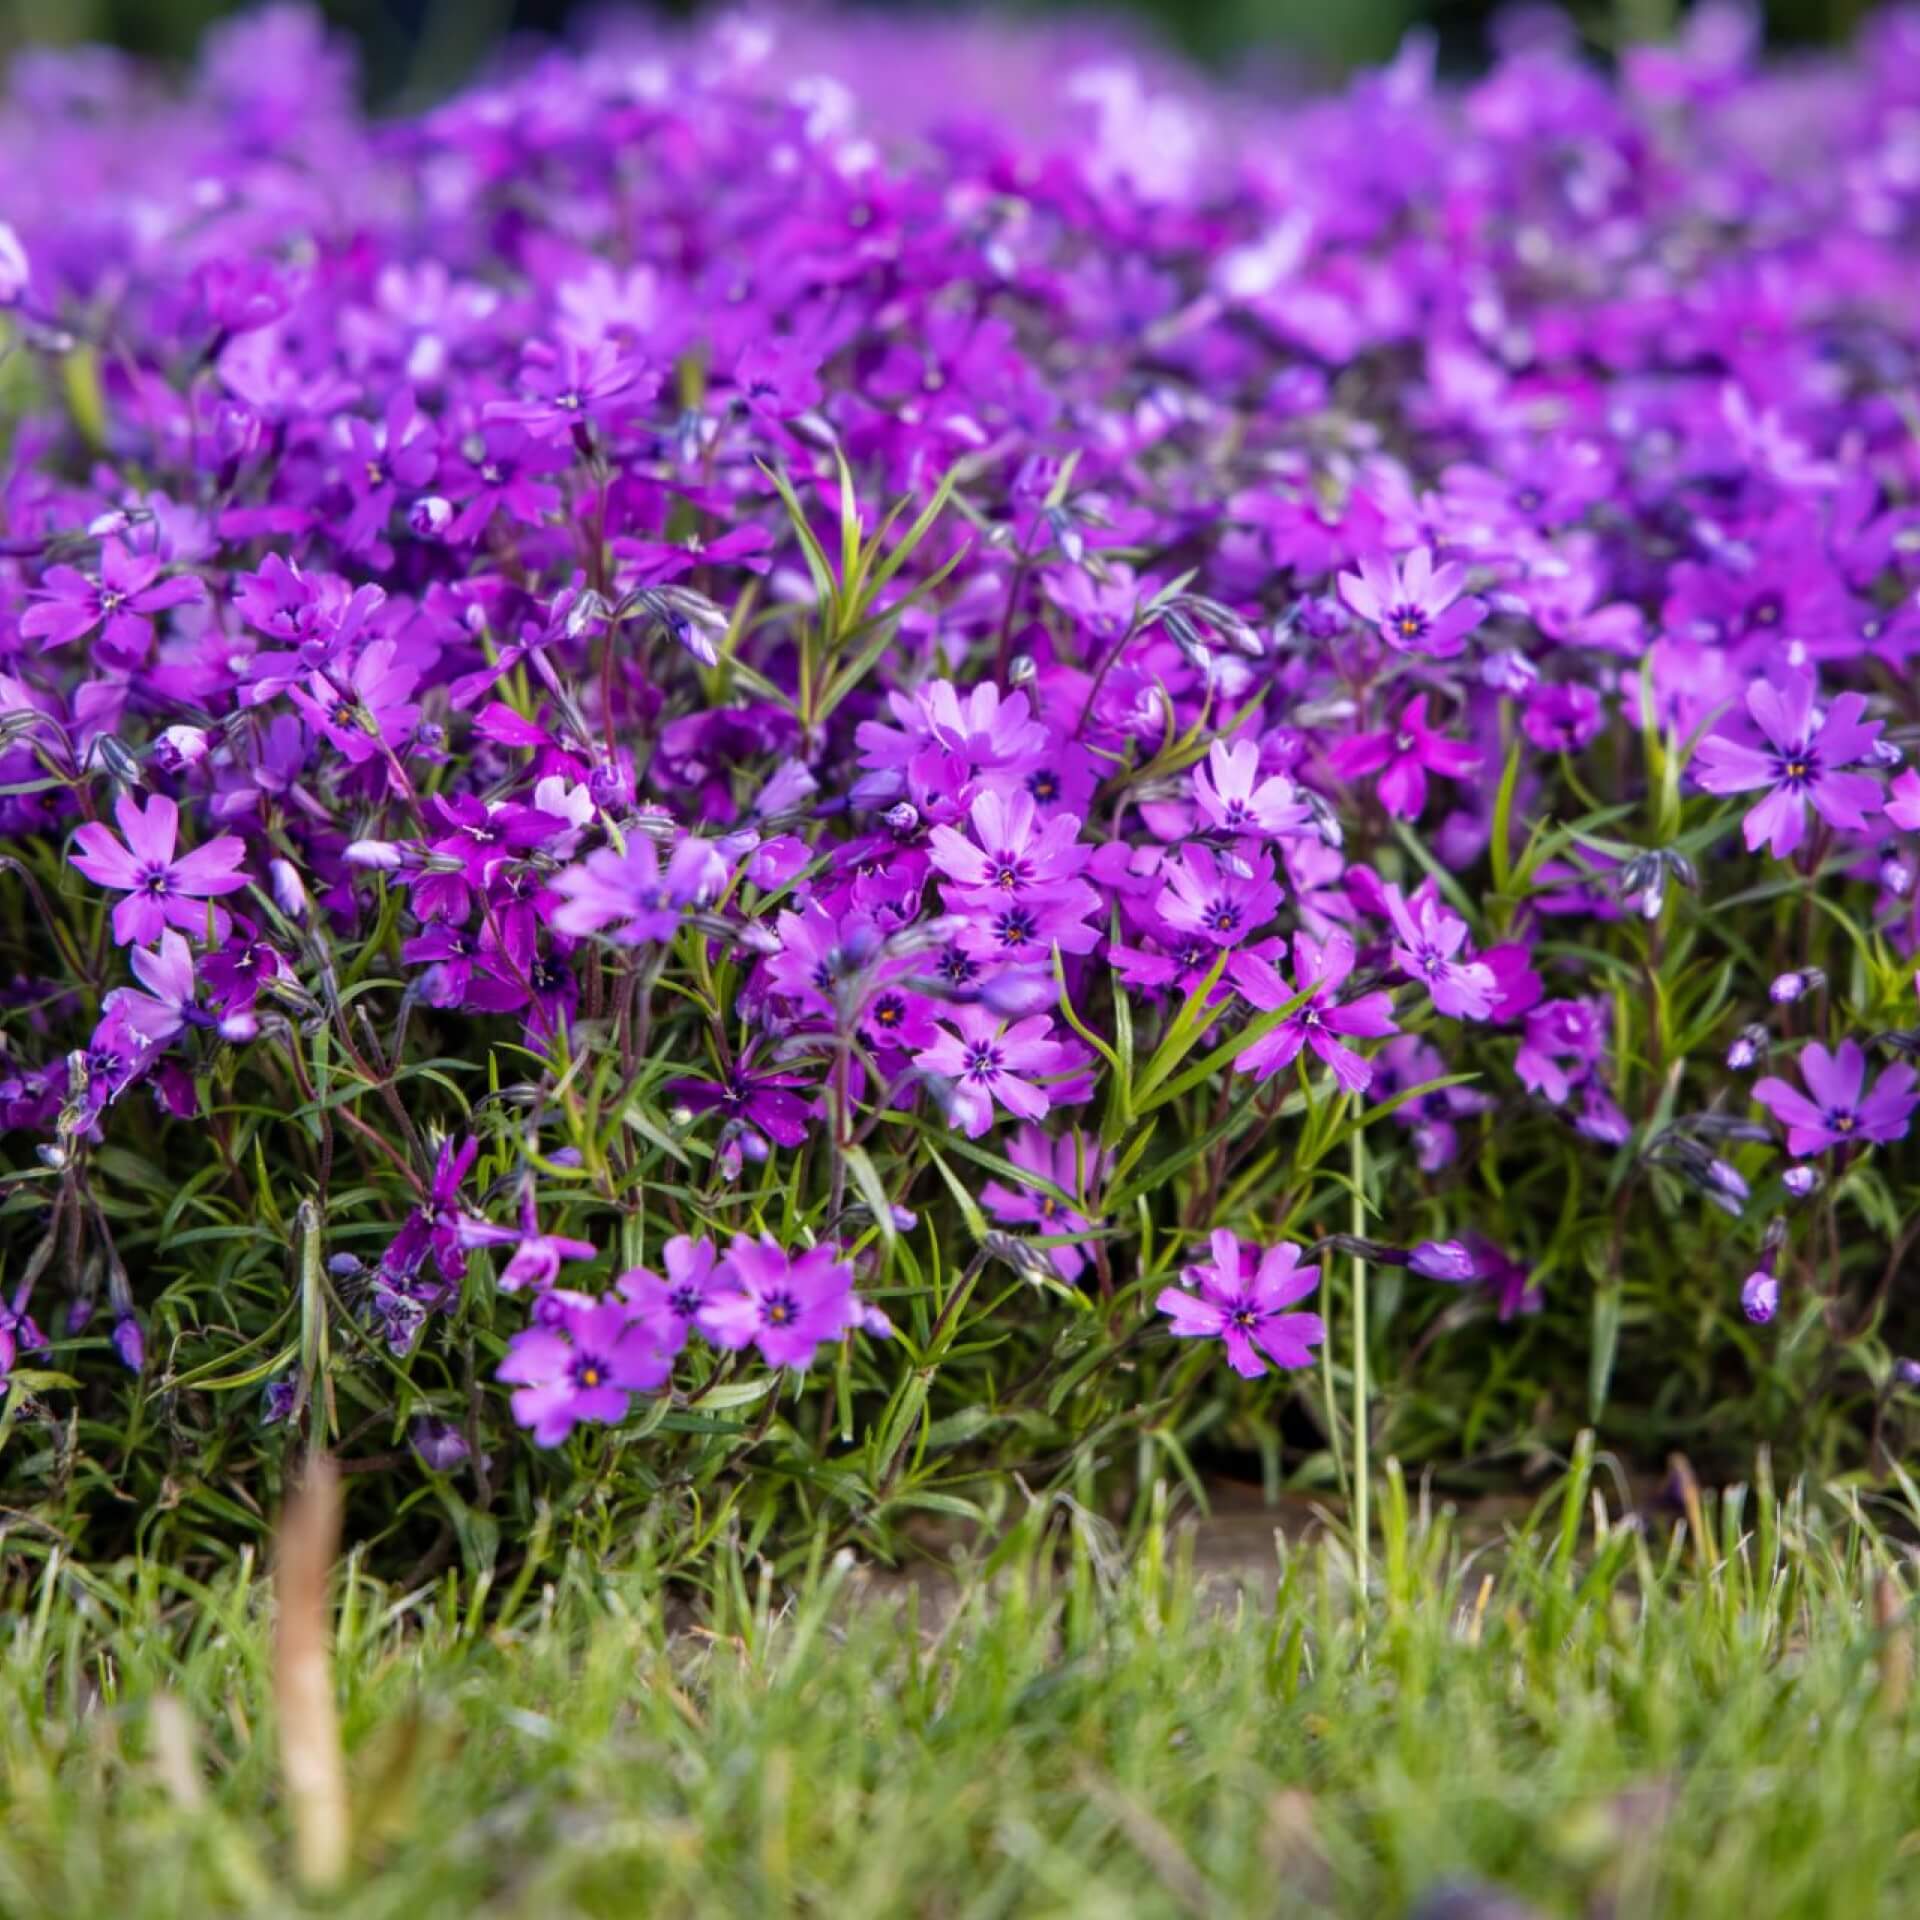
(1444, 1260)
(179, 748)
(1760, 1297)
(429, 517)
(289, 890)
(1789, 987)
(14, 270)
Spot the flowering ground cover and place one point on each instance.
(743, 790)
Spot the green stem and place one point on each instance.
(1361, 1489)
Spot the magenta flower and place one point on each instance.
(1240, 1297)
(1840, 1111)
(1903, 800)
(162, 890)
(581, 1362)
(768, 1102)
(1417, 607)
(1071, 1163)
(1234, 797)
(1322, 1022)
(122, 602)
(536, 1258)
(628, 895)
(1760, 1296)
(167, 1005)
(1799, 766)
(1207, 898)
(673, 1302)
(1403, 756)
(1429, 938)
(786, 1306)
(566, 388)
(1012, 851)
(984, 1061)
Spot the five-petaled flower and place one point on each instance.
(1837, 1110)
(1323, 1022)
(985, 1060)
(1416, 606)
(164, 888)
(121, 602)
(786, 1305)
(1800, 765)
(582, 1360)
(1240, 1296)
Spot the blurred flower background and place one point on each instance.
(416, 48)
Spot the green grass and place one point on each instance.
(1600, 1717)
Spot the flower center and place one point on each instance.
(589, 1370)
(778, 1310)
(983, 1061)
(1408, 622)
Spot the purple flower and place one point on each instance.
(1429, 937)
(627, 895)
(1206, 897)
(1786, 988)
(1799, 766)
(1564, 1041)
(1239, 1297)
(786, 1306)
(122, 602)
(166, 971)
(985, 1060)
(1012, 851)
(1322, 1022)
(1760, 1297)
(1403, 756)
(439, 1443)
(130, 1341)
(568, 387)
(1449, 1260)
(536, 1257)
(767, 1102)
(1417, 607)
(1840, 1111)
(1233, 796)
(673, 1304)
(582, 1362)
(14, 270)
(162, 890)
(1071, 1164)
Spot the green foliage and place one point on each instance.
(1595, 1716)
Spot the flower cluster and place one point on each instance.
(698, 645)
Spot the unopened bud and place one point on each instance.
(429, 517)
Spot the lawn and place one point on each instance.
(1585, 1713)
